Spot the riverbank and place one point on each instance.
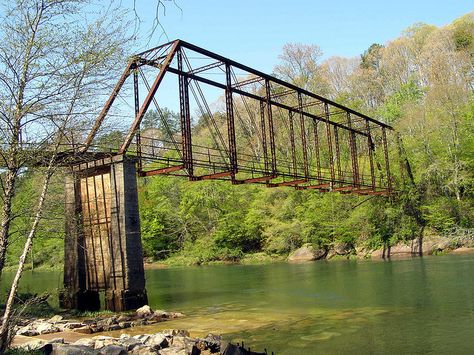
(61, 335)
(431, 244)
(171, 342)
(319, 307)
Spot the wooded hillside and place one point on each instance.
(421, 83)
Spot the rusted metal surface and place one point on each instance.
(106, 108)
(328, 146)
(229, 104)
(138, 118)
(162, 171)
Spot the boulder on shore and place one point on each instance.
(307, 253)
(429, 245)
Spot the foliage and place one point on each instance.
(370, 59)
(421, 83)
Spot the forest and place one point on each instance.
(421, 83)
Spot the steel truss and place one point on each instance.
(294, 137)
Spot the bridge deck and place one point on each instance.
(268, 132)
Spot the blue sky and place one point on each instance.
(253, 32)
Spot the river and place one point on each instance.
(420, 305)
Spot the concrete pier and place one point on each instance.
(103, 250)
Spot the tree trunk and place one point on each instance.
(7, 327)
(13, 151)
(420, 241)
(6, 216)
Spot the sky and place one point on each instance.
(254, 32)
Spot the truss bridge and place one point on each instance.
(234, 123)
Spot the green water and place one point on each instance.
(422, 305)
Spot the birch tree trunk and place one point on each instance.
(7, 327)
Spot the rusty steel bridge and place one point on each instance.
(273, 133)
(257, 129)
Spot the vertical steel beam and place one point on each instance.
(387, 163)
(303, 137)
(316, 148)
(230, 121)
(264, 136)
(98, 224)
(338, 155)
(329, 137)
(182, 110)
(185, 118)
(292, 143)
(353, 149)
(91, 236)
(371, 147)
(137, 108)
(270, 126)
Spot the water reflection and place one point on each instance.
(405, 306)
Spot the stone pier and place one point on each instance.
(102, 248)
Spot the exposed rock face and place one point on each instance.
(429, 245)
(307, 253)
(401, 249)
(433, 244)
(343, 248)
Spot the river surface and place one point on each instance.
(415, 306)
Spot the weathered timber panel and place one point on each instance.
(103, 246)
(95, 200)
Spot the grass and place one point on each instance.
(181, 259)
(93, 314)
(261, 258)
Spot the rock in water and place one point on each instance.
(307, 253)
(55, 319)
(27, 331)
(46, 328)
(84, 330)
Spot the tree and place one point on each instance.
(371, 57)
(299, 65)
(53, 66)
(338, 72)
(166, 121)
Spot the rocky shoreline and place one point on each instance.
(175, 341)
(170, 342)
(143, 316)
(429, 245)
